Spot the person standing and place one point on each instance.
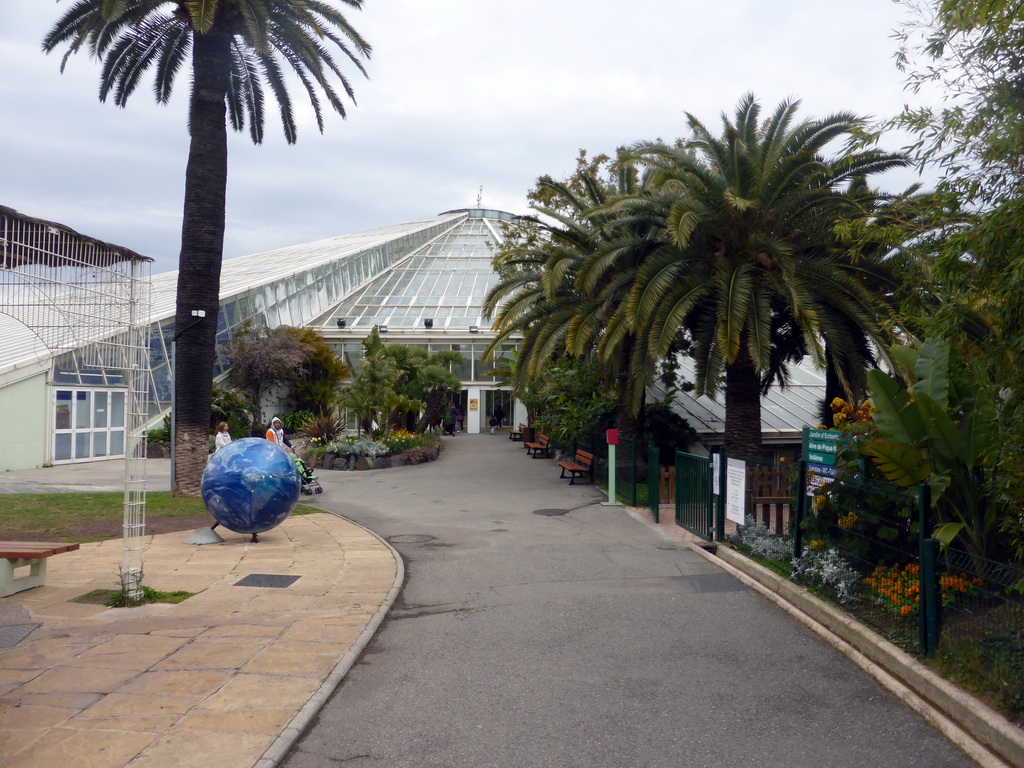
(460, 417)
(453, 414)
(223, 436)
(276, 434)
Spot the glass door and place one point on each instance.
(88, 424)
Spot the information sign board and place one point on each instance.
(735, 490)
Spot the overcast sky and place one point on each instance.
(462, 94)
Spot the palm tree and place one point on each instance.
(751, 251)
(564, 289)
(235, 49)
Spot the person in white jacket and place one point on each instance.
(223, 436)
(276, 434)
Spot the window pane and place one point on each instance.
(63, 415)
(82, 445)
(117, 409)
(82, 414)
(62, 447)
(99, 443)
(117, 442)
(99, 410)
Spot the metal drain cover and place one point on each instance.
(267, 580)
(550, 512)
(410, 538)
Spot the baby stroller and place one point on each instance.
(310, 484)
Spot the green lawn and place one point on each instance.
(83, 517)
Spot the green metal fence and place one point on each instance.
(695, 507)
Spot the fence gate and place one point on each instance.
(695, 508)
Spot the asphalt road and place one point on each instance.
(581, 640)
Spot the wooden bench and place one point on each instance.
(516, 434)
(18, 554)
(534, 450)
(581, 465)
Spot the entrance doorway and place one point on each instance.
(497, 398)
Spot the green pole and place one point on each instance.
(928, 611)
(612, 501)
(801, 509)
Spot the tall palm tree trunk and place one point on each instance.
(202, 247)
(742, 405)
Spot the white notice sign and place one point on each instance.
(735, 490)
(716, 474)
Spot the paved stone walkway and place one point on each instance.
(214, 680)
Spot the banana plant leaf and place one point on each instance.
(896, 417)
(902, 465)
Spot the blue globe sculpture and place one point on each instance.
(250, 486)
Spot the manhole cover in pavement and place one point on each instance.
(267, 580)
(550, 512)
(410, 538)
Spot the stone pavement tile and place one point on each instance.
(12, 742)
(65, 679)
(185, 682)
(204, 655)
(180, 631)
(155, 725)
(129, 652)
(61, 747)
(306, 664)
(199, 749)
(65, 610)
(325, 631)
(46, 653)
(281, 600)
(30, 716)
(232, 631)
(249, 691)
(19, 676)
(141, 704)
(269, 722)
(75, 701)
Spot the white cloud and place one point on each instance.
(462, 94)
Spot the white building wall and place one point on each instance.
(24, 436)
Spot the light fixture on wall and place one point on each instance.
(340, 322)
(428, 322)
(382, 328)
(474, 329)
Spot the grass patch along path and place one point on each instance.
(85, 517)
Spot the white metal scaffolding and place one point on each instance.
(80, 295)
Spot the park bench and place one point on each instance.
(541, 446)
(581, 465)
(19, 554)
(516, 434)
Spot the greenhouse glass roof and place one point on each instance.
(443, 282)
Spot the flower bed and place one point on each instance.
(397, 449)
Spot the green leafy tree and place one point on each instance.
(942, 429)
(235, 49)
(318, 380)
(261, 359)
(752, 266)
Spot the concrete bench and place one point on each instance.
(19, 554)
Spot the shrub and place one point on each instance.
(400, 441)
(827, 568)
(761, 543)
(371, 449)
(418, 455)
(323, 428)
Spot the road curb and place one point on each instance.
(277, 751)
(985, 735)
